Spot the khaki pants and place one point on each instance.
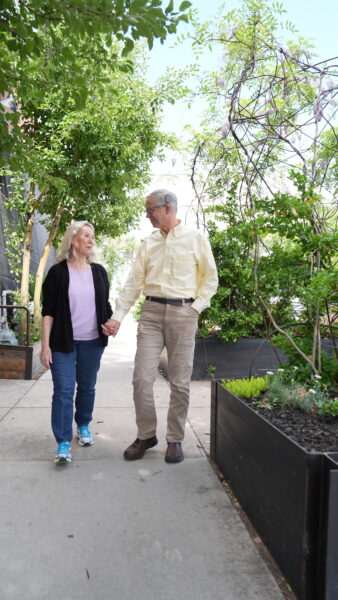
(175, 328)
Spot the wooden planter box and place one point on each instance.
(20, 362)
(289, 494)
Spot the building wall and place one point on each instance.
(7, 280)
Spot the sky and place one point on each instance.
(314, 20)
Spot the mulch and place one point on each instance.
(313, 433)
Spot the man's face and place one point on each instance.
(157, 213)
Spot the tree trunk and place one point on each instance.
(27, 246)
(316, 346)
(311, 361)
(42, 265)
(26, 258)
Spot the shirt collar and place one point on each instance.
(175, 231)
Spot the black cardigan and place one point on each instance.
(56, 304)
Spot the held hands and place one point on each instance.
(111, 327)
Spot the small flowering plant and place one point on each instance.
(286, 391)
(275, 390)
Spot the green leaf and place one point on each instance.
(128, 46)
(12, 44)
(170, 7)
(185, 5)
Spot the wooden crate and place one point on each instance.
(16, 362)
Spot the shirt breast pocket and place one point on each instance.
(184, 264)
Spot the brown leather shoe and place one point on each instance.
(137, 449)
(174, 453)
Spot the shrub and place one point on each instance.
(246, 388)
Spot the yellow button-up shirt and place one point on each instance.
(177, 265)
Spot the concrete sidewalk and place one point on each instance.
(103, 528)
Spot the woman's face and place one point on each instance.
(83, 241)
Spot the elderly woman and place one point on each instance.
(75, 305)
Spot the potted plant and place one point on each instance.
(19, 353)
(264, 171)
(289, 492)
(232, 331)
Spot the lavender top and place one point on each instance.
(82, 304)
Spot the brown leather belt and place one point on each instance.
(175, 301)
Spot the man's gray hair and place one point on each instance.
(165, 197)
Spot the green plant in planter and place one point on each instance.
(327, 408)
(280, 392)
(211, 371)
(235, 308)
(247, 388)
(297, 369)
(20, 320)
(294, 395)
(265, 160)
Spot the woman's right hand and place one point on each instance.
(111, 327)
(46, 356)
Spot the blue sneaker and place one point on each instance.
(84, 435)
(63, 453)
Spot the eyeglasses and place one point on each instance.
(151, 209)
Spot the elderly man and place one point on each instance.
(176, 271)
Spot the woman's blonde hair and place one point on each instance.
(66, 249)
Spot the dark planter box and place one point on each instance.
(235, 360)
(20, 362)
(246, 357)
(289, 494)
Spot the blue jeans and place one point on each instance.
(79, 366)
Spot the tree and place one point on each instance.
(89, 28)
(262, 143)
(117, 253)
(90, 164)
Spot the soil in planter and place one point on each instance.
(310, 432)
